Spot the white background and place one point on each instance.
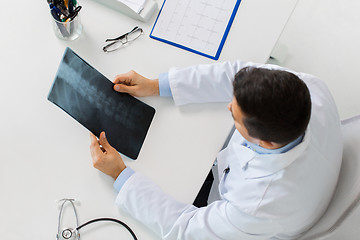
(44, 153)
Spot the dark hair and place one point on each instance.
(276, 104)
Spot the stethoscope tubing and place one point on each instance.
(111, 220)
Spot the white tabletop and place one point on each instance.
(45, 153)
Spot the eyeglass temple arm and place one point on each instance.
(122, 36)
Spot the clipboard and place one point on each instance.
(197, 26)
(88, 96)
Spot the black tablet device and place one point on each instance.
(88, 96)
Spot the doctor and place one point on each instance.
(278, 172)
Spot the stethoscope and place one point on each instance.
(73, 233)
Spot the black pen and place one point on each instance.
(71, 7)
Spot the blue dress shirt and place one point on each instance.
(164, 85)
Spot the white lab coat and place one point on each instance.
(273, 196)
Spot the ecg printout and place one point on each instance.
(196, 25)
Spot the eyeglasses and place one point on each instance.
(122, 40)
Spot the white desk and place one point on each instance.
(44, 153)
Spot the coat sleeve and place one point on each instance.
(205, 83)
(174, 220)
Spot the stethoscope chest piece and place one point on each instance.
(68, 234)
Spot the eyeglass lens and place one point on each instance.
(134, 34)
(131, 36)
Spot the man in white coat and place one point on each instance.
(278, 172)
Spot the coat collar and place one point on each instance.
(256, 165)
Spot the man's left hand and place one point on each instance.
(105, 157)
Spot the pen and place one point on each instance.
(52, 6)
(66, 3)
(55, 14)
(61, 5)
(76, 11)
(71, 7)
(64, 18)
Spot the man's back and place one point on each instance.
(291, 189)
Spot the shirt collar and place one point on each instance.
(260, 150)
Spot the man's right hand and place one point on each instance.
(136, 85)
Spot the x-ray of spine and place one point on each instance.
(88, 96)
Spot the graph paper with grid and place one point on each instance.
(200, 26)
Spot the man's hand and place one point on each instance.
(105, 157)
(136, 85)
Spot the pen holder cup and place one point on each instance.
(69, 30)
